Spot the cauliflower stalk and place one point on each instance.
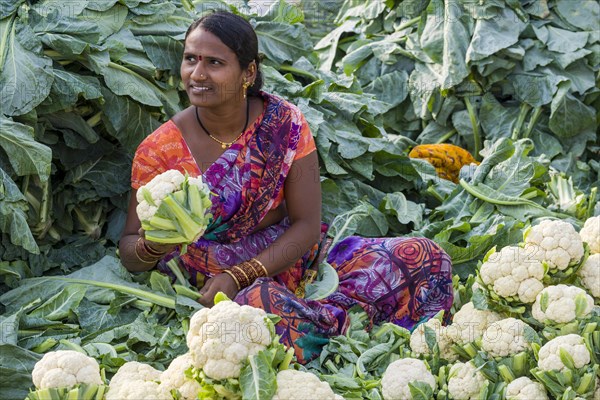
(512, 274)
(67, 374)
(404, 376)
(556, 243)
(565, 362)
(134, 381)
(590, 234)
(562, 304)
(299, 385)
(589, 275)
(173, 208)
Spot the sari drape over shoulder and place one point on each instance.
(402, 280)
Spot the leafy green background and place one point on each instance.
(83, 82)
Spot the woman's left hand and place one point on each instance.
(219, 283)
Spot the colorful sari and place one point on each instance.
(401, 280)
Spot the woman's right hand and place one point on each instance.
(164, 248)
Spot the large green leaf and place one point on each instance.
(494, 34)
(16, 365)
(564, 41)
(583, 14)
(258, 380)
(27, 156)
(456, 42)
(61, 305)
(8, 7)
(281, 42)
(25, 75)
(569, 115)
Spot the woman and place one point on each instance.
(256, 153)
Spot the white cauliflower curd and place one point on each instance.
(134, 381)
(589, 273)
(397, 376)
(65, 369)
(524, 388)
(512, 272)
(299, 385)
(174, 378)
(555, 242)
(469, 323)
(444, 337)
(465, 381)
(573, 344)
(562, 304)
(505, 338)
(590, 233)
(222, 338)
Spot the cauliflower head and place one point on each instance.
(505, 337)
(465, 381)
(222, 338)
(65, 368)
(555, 242)
(590, 233)
(443, 335)
(562, 304)
(159, 187)
(136, 390)
(469, 323)
(512, 272)
(549, 354)
(524, 388)
(299, 385)
(589, 273)
(174, 378)
(135, 380)
(397, 376)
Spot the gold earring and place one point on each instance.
(245, 87)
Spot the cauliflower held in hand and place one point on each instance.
(465, 381)
(174, 378)
(298, 385)
(572, 344)
(469, 323)
(443, 335)
(505, 338)
(562, 304)
(556, 243)
(222, 338)
(524, 388)
(590, 233)
(397, 376)
(134, 381)
(173, 208)
(589, 273)
(512, 272)
(65, 369)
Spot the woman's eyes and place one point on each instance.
(193, 59)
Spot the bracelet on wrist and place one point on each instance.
(140, 252)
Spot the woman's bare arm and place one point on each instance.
(303, 201)
(129, 237)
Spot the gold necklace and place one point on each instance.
(225, 145)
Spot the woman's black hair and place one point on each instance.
(238, 35)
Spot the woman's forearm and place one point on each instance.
(129, 258)
(284, 252)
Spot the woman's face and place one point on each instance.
(211, 71)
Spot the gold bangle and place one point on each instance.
(141, 259)
(237, 283)
(257, 261)
(242, 276)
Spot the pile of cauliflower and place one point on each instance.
(530, 331)
(221, 340)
